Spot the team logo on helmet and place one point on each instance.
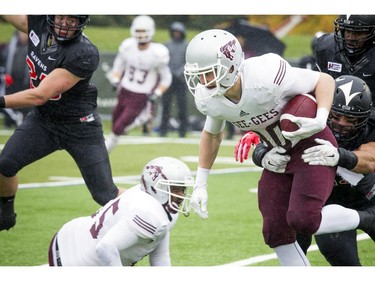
(346, 89)
(229, 49)
(155, 172)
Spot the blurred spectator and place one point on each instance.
(178, 89)
(141, 72)
(13, 61)
(310, 60)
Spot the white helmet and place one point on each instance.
(162, 176)
(143, 29)
(213, 51)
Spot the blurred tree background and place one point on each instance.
(310, 24)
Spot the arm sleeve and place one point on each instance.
(294, 84)
(118, 238)
(214, 126)
(160, 256)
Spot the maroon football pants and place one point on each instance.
(292, 202)
(128, 107)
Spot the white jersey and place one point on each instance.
(268, 82)
(143, 69)
(135, 224)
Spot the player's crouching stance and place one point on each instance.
(132, 226)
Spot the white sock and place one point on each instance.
(336, 218)
(291, 255)
(111, 142)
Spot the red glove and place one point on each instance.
(241, 151)
(8, 80)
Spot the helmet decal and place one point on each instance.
(346, 90)
(229, 49)
(155, 171)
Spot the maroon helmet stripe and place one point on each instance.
(145, 225)
(280, 73)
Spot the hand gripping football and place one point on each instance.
(303, 105)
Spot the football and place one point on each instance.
(303, 105)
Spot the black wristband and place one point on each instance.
(2, 102)
(347, 159)
(258, 154)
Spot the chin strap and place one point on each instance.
(168, 210)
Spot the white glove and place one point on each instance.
(307, 126)
(198, 200)
(114, 80)
(274, 161)
(155, 96)
(323, 154)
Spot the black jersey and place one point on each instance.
(79, 57)
(334, 62)
(360, 196)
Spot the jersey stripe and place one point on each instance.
(145, 225)
(280, 73)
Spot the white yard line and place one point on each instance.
(263, 258)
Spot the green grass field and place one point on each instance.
(231, 234)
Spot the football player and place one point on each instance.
(142, 72)
(61, 60)
(251, 94)
(353, 125)
(132, 226)
(349, 120)
(349, 50)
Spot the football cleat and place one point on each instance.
(7, 222)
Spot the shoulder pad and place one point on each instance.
(325, 41)
(161, 52)
(127, 44)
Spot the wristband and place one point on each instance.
(202, 176)
(322, 115)
(347, 159)
(258, 154)
(2, 102)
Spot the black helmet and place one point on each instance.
(353, 99)
(83, 20)
(355, 23)
(179, 27)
